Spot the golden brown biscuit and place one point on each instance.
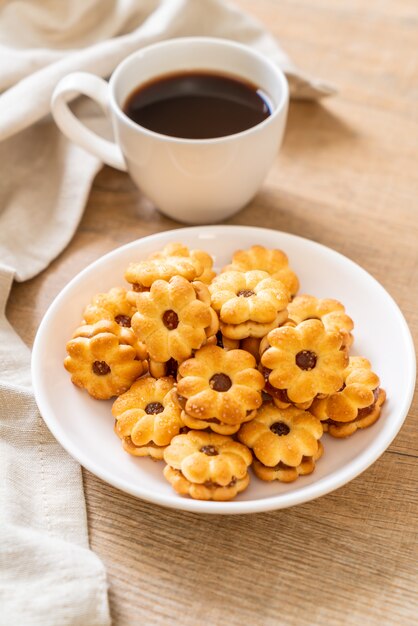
(171, 321)
(124, 334)
(203, 294)
(174, 260)
(113, 306)
(281, 435)
(247, 296)
(201, 259)
(275, 262)
(147, 417)
(237, 332)
(213, 423)
(356, 405)
(331, 313)
(279, 396)
(207, 466)
(151, 449)
(249, 303)
(345, 429)
(219, 389)
(286, 473)
(207, 491)
(304, 361)
(102, 365)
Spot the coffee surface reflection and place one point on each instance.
(197, 105)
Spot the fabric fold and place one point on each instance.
(48, 574)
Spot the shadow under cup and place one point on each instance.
(199, 180)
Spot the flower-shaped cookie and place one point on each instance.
(113, 306)
(207, 466)
(304, 361)
(281, 435)
(147, 417)
(249, 303)
(331, 313)
(278, 396)
(124, 334)
(219, 389)
(275, 262)
(102, 365)
(356, 405)
(285, 473)
(202, 261)
(171, 321)
(174, 260)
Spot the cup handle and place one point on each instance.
(97, 89)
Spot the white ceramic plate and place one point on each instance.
(84, 426)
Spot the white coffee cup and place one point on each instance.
(191, 180)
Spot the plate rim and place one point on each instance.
(300, 495)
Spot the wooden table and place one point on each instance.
(348, 177)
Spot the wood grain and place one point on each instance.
(347, 177)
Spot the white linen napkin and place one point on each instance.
(48, 575)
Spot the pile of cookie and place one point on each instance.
(217, 373)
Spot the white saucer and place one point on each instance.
(84, 426)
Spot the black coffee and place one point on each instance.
(197, 105)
